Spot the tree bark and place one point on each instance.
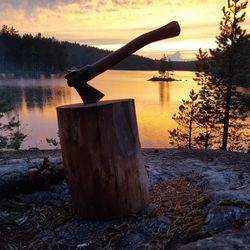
(226, 117)
(102, 159)
(25, 174)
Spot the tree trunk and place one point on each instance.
(37, 170)
(190, 130)
(226, 117)
(102, 159)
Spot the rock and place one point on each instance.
(148, 210)
(77, 231)
(221, 211)
(55, 196)
(228, 240)
(231, 197)
(140, 233)
(132, 241)
(214, 179)
(226, 217)
(155, 225)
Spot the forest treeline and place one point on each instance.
(24, 54)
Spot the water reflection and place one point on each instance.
(164, 93)
(24, 97)
(35, 102)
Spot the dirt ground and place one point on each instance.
(199, 200)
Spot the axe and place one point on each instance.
(79, 79)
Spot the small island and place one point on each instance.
(165, 68)
(162, 79)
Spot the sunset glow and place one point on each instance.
(110, 24)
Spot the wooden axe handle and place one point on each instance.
(87, 73)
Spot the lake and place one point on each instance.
(35, 102)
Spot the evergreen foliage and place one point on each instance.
(163, 68)
(230, 67)
(223, 105)
(186, 118)
(28, 54)
(209, 114)
(10, 135)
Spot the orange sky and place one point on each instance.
(112, 23)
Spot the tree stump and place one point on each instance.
(102, 158)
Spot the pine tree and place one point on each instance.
(163, 69)
(10, 135)
(239, 136)
(208, 115)
(186, 118)
(229, 65)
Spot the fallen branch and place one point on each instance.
(23, 175)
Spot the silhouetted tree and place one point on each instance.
(187, 120)
(209, 115)
(239, 135)
(28, 54)
(222, 103)
(204, 114)
(38, 54)
(10, 135)
(163, 67)
(229, 65)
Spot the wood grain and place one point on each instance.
(102, 158)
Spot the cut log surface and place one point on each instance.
(102, 158)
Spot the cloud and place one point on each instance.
(91, 4)
(101, 41)
(30, 4)
(176, 56)
(96, 4)
(115, 22)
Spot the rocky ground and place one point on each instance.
(199, 200)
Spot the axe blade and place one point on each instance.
(88, 93)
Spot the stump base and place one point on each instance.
(102, 158)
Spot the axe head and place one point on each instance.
(87, 93)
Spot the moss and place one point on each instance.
(194, 230)
(234, 202)
(188, 227)
(193, 223)
(195, 220)
(195, 227)
(193, 217)
(201, 202)
(196, 235)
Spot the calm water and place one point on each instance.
(156, 102)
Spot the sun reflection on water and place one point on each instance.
(35, 101)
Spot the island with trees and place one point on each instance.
(165, 71)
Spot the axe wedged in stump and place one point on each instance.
(79, 79)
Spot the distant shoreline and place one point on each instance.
(14, 75)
